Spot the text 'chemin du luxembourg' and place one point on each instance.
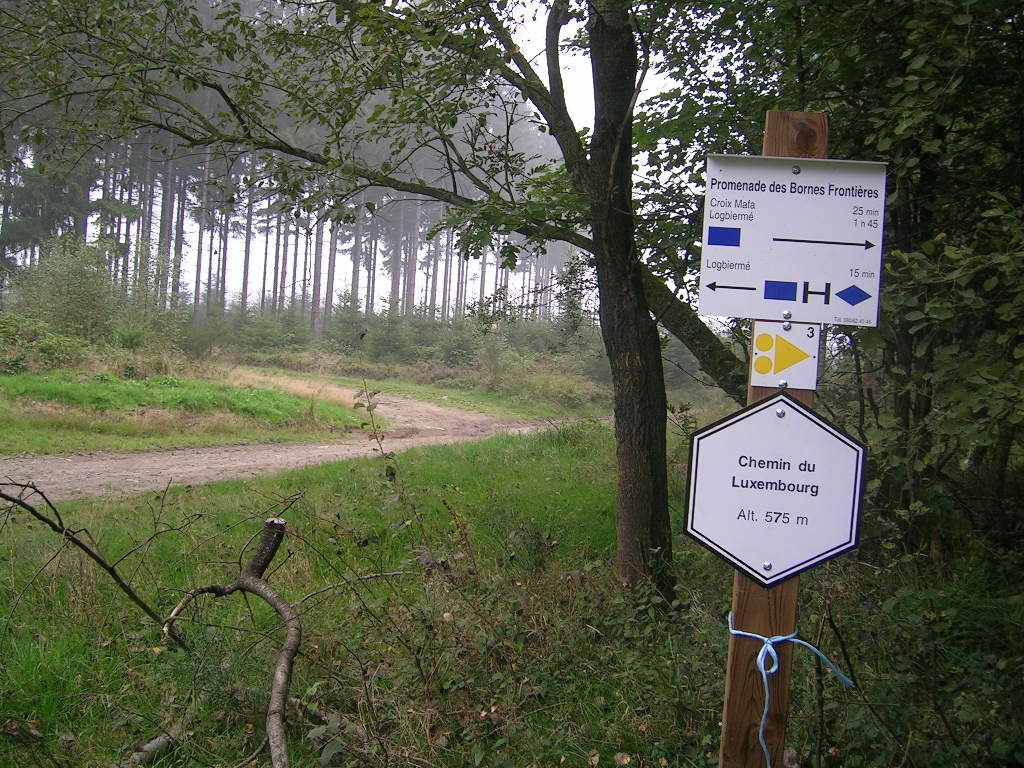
(774, 483)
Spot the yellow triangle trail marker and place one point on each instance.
(787, 354)
(785, 347)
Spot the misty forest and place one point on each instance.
(287, 224)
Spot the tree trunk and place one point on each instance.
(141, 280)
(295, 264)
(357, 250)
(307, 242)
(332, 262)
(266, 254)
(318, 263)
(483, 274)
(461, 287)
(630, 334)
(168, 193)
(126, 247)
(211, 253)
(250, 204)
(222, 265)
(285, 225)
(197, 288)
(716, 359)
(433, 260)
(371, 266)
(446, 288)
(411, 247)
(5, 212)
(395, 230)
(179, 240)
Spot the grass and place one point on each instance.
(66, 411)
(462, 613)
(536, 394)
(350, 521)
(465, 614)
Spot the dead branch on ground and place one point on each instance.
(146, 753)
(251, 581)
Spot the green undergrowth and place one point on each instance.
(103, 392)
(460, 609)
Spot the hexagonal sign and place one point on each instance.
(775, 489)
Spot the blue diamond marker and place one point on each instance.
(853, 295)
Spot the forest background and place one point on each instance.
(413, 138)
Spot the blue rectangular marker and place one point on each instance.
(779, 290)
(724, 236)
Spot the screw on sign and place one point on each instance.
(775, 489)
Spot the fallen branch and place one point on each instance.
(254, 756)
(145, 754)
(251, 580)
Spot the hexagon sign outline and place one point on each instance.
(775, 495)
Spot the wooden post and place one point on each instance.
(766, 611)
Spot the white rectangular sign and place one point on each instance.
(792, 238)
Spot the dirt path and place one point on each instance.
(410, 423)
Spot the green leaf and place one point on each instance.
(333, 748)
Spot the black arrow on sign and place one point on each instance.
(715, 286)
(865, 245)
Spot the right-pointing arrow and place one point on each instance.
(865, 245)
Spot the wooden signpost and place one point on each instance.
(755, 609)
(793, 240)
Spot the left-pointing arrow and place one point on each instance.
(865, 244)
(715, 286)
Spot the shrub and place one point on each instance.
(391, 339)
(70, 290)
(27, 345)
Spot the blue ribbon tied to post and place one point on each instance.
(768, 665)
